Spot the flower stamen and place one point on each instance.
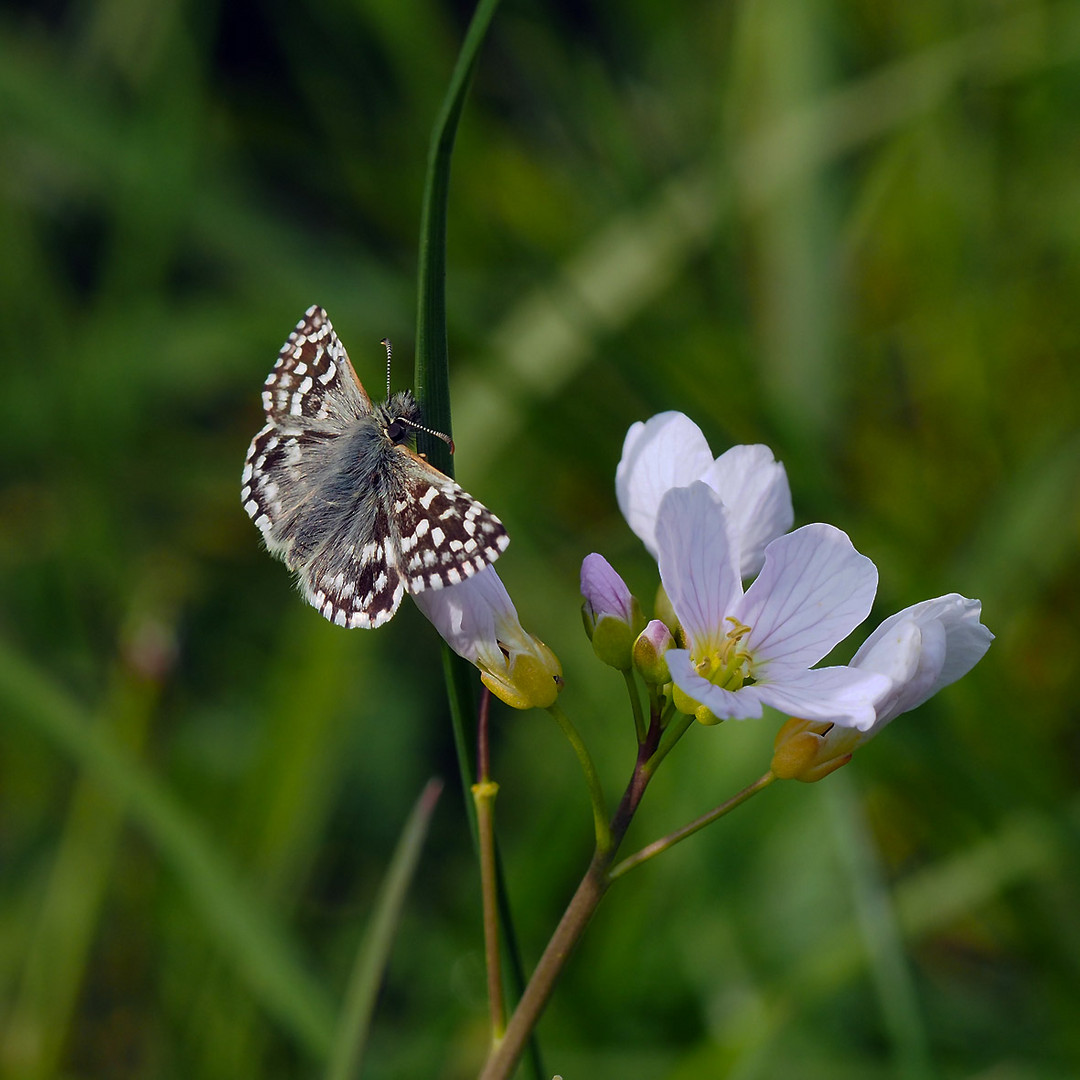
(729, 666)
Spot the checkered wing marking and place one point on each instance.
(313, 380)
(445, 535)
(311, 395)
(355, 584)
(275, 492)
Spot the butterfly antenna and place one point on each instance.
(385, 343)
(401, 419)
(430, 431)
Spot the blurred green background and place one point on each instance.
(848, 230)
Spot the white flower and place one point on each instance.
(921, 650)
(477, 619)
(669, 451)
(746, 650)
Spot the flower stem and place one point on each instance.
(483, 793)
(504, 1056)
(635, 704)
(658, 846)
(592, 779)
(674, 732)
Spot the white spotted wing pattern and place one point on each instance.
(339, 496)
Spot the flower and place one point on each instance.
(746, 650)
(921, 649)
(478, 621)
(612, 616)
(669, 451)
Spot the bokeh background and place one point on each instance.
(850, 230)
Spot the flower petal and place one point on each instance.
(814, 589)
(478, 621)
(726, 704)
(697, 563)
(924, 648)
(604, 591)
(755, 490)
(665, 452)
(843, 695)
(466, 616)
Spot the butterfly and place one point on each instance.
(340, 497)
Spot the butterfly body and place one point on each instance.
(342, 499)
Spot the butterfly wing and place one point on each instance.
(444, 534)
(313, 380)
(311, 397)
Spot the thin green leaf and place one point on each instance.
(374, 953)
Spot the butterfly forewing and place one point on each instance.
(359, 517)
(313, 380)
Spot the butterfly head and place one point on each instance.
(399, 417)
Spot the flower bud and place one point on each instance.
(808, 750)
(686, 704)
(649, 649)
(612, 617)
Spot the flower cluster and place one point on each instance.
(727, 650)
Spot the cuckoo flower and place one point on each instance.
(669, 451)
(477, 619)
(921, 650)
(746, 650)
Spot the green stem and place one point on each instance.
(483, 793)
(432, 385)
(672, 734)
(635, 704)
(658, 846)
(432, 381)
(504, 1056)
(354, 1023)
(596, 882)
(592, 778)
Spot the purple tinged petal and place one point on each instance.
(840, 694)
(755, 490)
(604, 591)
(648, 654)
(667, 451)
(924, 648)
(814, 589)
(657, 635)
(466, 616)
(698, 563)
(478, 621)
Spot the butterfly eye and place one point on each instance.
(397, 431)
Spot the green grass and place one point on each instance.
(851, 232)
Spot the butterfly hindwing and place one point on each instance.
(445, 534)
